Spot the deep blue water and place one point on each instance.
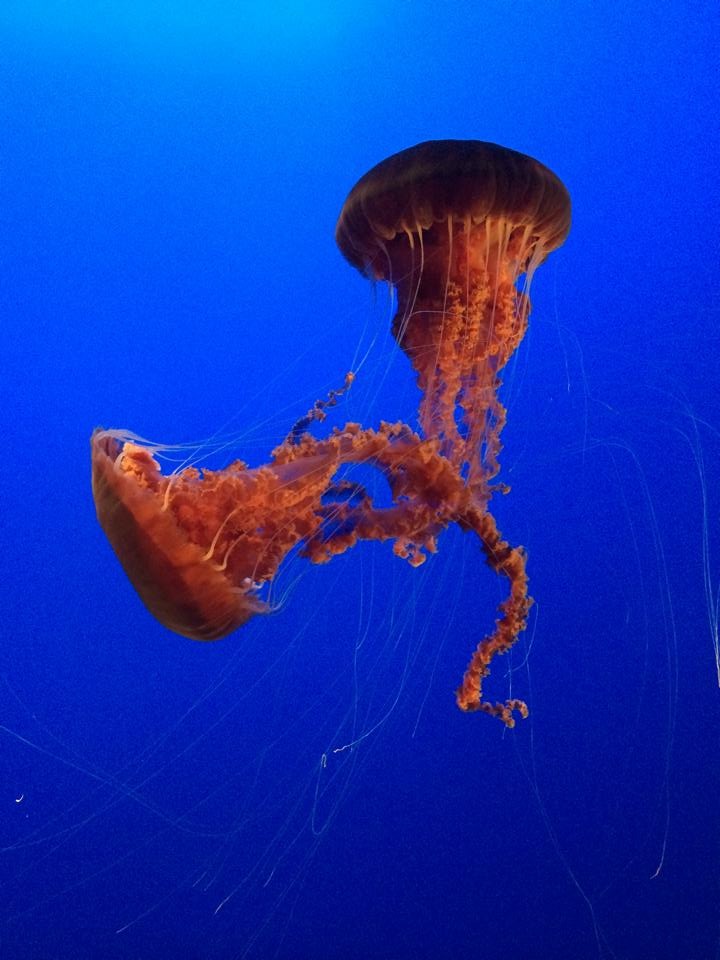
(170, 178)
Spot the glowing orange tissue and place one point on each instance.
(458, 228)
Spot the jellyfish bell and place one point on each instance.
(188, 591)
(453, 225)
(498, 208)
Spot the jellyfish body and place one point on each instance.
(454, 226)
(198, 545)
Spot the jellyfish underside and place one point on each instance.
(454, 226)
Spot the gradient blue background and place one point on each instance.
(170, 176)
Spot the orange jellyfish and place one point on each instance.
(454, 226)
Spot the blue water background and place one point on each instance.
(170, 177)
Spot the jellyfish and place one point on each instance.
(458, 229)
(454, 225)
